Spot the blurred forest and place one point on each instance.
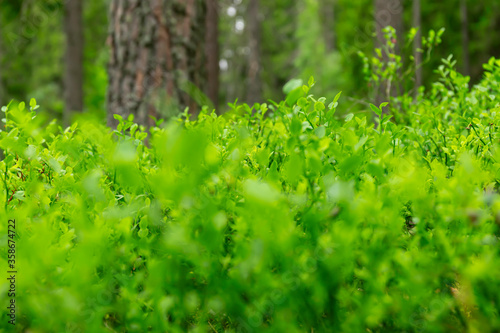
(153, 58)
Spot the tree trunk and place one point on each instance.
(465, 37)
(254, 93)
(2, 155)
(388, 13)
(329, 24)
(73, 78)
(212, 51)
(157, 55)
(2, 101)
(417, 44)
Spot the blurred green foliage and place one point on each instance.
(291, 216)
(280, 217)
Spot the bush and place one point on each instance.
(274, 217)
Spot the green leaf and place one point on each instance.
(260, 192)
(386, 118)
(337, 97)
(19, 195)
(303, 103)
(311, 82)
(349, 117)
(318, 106)
(294, 95)
(320, 131)
(375, 109)
(292, 85)
(296, 126)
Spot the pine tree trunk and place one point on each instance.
(417, 44)
(254, 93)
(157, 56)
(73, 79)
(465, 37)
(388, 13)
(212, 51)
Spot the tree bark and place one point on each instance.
(73, 78)
(465, 37)
(388, 13)
(254, 92)
(212, 51)
(417, 44)
(157, 55)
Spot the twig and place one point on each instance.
(212, 327)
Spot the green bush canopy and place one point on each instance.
(279, 217)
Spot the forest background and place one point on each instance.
(59, 52)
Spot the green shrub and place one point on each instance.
(276, 217)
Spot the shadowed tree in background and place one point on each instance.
(1, 72)
(465, 37)
(2, 156)
(328, 11)
(157, 55)
(73, 77)
(417, 44)
(254, 92)
(388, 13)
(212, 51)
